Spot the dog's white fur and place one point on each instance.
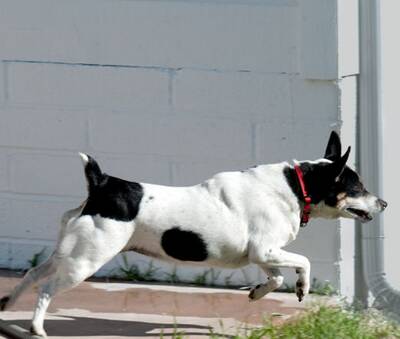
(243, 217)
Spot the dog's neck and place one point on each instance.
(312, 183)
(293, 181)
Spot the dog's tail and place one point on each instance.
(94, 175)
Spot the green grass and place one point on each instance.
(36, 258)
(132, 272)
(319, 322)
(328, 322)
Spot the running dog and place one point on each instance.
(230, 220)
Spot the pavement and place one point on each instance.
(135, 310)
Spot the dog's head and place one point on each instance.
(335, 189)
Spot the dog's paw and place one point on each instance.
(256, 293)
(301, 289)
(300, 294)
(3, 302)
(39, 332)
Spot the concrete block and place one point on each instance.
(21, 254)
(319, 39)
(321, 273)
(32, 218)
(47, 174)
(326, 273)
(315, 99)
(191, 173)
(255, 35)
(312, 241)
(239, 95)
(150, 169)
(4, 254)
(87, 86)
(4, 173)
(174, 136)
(285, 141)
(273, 142)
(42, 129)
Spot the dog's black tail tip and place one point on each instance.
(94, 175)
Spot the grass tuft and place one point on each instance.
(132, 272)
(328, 322)
(37, 258)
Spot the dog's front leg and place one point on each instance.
(275, 258)
(275, 280)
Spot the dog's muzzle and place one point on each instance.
(365, 215)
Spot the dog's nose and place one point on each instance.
(382, 203)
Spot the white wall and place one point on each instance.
(166, 92)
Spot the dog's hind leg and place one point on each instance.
(39, 272)
(275, 280)
(69, 276)
(31, 277)
(89, 242)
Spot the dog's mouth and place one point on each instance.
(363, 216)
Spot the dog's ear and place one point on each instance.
(334, 147)
(337, 167)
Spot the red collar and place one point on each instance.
(305, 215)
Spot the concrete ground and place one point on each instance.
(131, 310)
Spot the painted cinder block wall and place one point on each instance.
(167, 92)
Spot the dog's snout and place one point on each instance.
(382, 203)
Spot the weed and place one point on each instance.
(201, 279)
(172, 277)
(176, 334)
(227, 279)
(207, 278)
(322, 288)
(36, 258)
(214, 275)
(322, 321)
(132, 271)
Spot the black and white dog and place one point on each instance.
(230, 220)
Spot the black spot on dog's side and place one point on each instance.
(184, 245)
(114, 198)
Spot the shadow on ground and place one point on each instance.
(85, 326)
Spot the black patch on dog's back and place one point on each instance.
(114, 198)
(184, 245)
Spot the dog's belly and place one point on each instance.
(187, 225)
(149, 243)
